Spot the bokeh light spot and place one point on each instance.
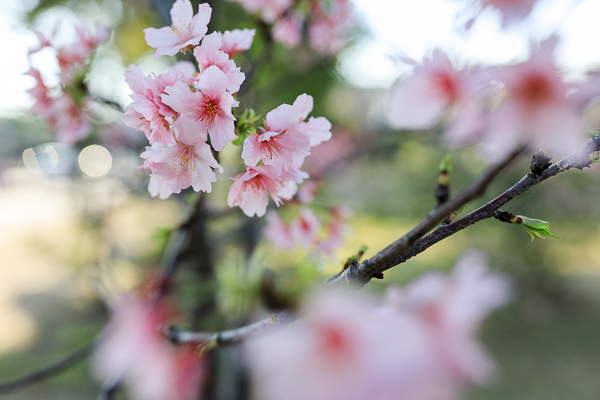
(95, 160)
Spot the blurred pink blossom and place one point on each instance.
(512, 11)
(421, 100)
(419, 346)
(132, 350)
(288, 31)
(537, 108)
(306, 228)
(249, 191)
(278, 232)
(186, 29)
(236, 41)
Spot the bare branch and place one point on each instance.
(48, 371)
(228, 337)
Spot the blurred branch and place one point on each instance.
(48, 371)
(227, 337)
(357, 275)
(111, 103)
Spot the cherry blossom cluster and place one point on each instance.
(65, 108)
(308, 231)
(281, 146)
(185, 107)
(133, 350)
(328, 23)
(501, 107)
(419, 345)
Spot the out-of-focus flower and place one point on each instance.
(278, 232)
(306, 228)
(249, 191)
(132, 350)
(72, 124)
(421, 100)
(186, 29)
(513, 11)
(288, 31)
(420, 346)
(236, 41)
(536, 109)
(208, 54)
(187, 162)
(210, 105)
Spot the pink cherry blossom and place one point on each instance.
(288, 31)
(147, 100)
(210, 105)
(236, 41)
(208, 54)
(282, 141)
(421, 100)
(317, 129)
(536, 109)
(249, 191)
(307, 192)
(186, 29)
(187, 162)
(133, 351)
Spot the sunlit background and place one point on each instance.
(69, 213)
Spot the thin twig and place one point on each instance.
(48, 371)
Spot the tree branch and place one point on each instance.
(358, 275)
(228, 337)
(46, 372)
(577, 160)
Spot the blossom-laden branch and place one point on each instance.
(413, 243)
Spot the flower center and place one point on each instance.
(209, 110)
(178, 27)
(534, 90)
(183, 160)
(272, 147)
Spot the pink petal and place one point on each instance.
(282, 118)
(200, 21)
(304, 105)
(213, 82)
(181, 13)
(181, 99)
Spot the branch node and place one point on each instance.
(539, 163)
